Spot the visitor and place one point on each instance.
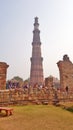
(66, 89)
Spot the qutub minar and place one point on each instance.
(36, 72)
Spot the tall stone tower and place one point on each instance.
(36, 72)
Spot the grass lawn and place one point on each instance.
(37, 117)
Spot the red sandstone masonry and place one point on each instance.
(3, 72)
(66, 73)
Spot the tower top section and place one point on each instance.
(36, 24)
(36, 32)
(36, 19)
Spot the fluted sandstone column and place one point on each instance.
(36, 72)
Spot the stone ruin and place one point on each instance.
(52, 82)
(44, 95)
(3, 73)
(66, 73)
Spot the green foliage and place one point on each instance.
(17, 78)
(26, 81)
(70, 109)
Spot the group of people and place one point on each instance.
(12, 85)
(16, 85)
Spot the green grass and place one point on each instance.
(38, 117)
(70, 109)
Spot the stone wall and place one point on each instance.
(3, 72)
(36, 96)
(24, 96)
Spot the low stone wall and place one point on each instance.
(21, 96)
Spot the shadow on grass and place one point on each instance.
(2, 115)
(70, 109)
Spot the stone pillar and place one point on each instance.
(49, 82)
(3, 72)
(66, 73)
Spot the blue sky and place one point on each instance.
(16, 26)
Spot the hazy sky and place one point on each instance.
(16, 26)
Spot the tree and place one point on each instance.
(17, 78)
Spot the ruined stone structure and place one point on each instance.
(52, 82)
(49, 82)
(36, 72)
(3, 72)
(66, 73)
